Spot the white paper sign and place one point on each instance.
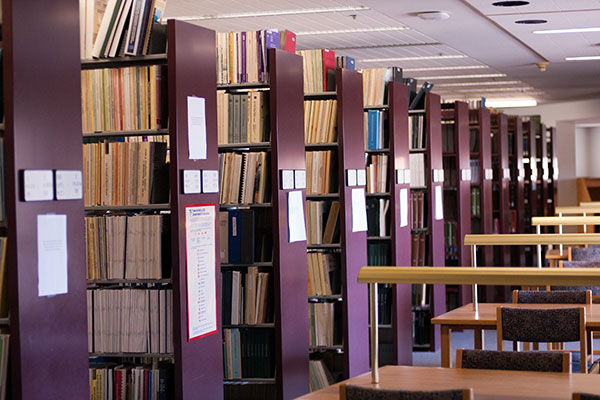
(210, 181)
(407, 176)
(403, 207)
(359, 210)
(439, 205)
(296, 224)
(399, 176)
(69, 185)
(52, 254)
(351, 175)
(191, 181)
(39, 185)
(287, 179)
(196, 109)
(200, 235)
(300, 179)
(361, 177)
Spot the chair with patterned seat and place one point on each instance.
(552, 297)
(539, 361)
(581, 264)
(543, 325)
(591, 254)
(585, 396)
(355, 392)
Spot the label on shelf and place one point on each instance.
(69, 185)
(191, 181)
(300, 179)
(506, 173)
(465, 175)
(351, 177)
(488, 174)
(38, 185)
(361, 177)
(210, 181)
(399, 176)
(287, 179)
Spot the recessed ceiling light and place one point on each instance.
(507, 103)
(416, 58)
(361, 30)
(433, 15)
(584, 58)
(569, 30)
(460, 76)
(457, 67)
(477, 83)
(510, 3)
(272, 13)
(531, 21)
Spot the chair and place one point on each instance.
(543, 325)
(585, 396)
(354, 392)
(552, 297)
(540, 361)
(581, 264)
(583, 254)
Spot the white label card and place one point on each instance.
(52, 254)
(407, 176)
(200, 235)
(351, 177)
(296, 222)
(359, 210)
(300, 179)
(399, 176)
(287, 179)
(210, 181)
(489, 174)
(439, 204)
(39, 185)
(191, 181)
(69, 185)
(403, 207)
(361, 177)
(196, 108)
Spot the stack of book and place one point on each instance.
(320, 377)
(451, 241)
(320, 266)
(418, 249)
(320, 121)
(321, 318)
(377, 173)
(248, 353)
(254, 227)
(449, 164)
(375, 133)
(316, 213)
(130, 320)
(378, 253)
(125, 173)
(475, 202)
(124, 99)
(245, 297)
(417, 170)
(417, 205)
(118, 27)
(243, 117)
(319, 168)
(319, 70)
(244, 178)
(130, 382)
(375, 83)
(377, 217)
(475, 174)
(416, 132)
(127, 247)
(242, 56)
(448, 142)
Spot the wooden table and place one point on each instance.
(486, 384)
(465, 318)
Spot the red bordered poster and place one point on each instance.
(201, 269)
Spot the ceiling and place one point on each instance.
(479, 40)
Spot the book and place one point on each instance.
(320, 121)
(320, 175)
(244, 178)
(242, 117)
(287, 41)
(319, 375)
(319, 70)
(377, 173)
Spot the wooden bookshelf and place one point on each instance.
(457, 193)
(553, 170)
(288, 265)
(500, 186)
(543, 170)
(516, 187)
(530, 183)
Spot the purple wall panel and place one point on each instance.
(485, 154)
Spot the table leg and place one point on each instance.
(478, 338)
(446, 346)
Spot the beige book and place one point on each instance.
(331, 222)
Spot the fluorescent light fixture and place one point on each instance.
(508, 103)
(457, 67)
(570, 30)
(583, 58)
(477, 83)
(432, 78)
(416, 58)
(272, 13)
(359, 30)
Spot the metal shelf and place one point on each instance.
(320, 95)
(244, 86)
(112, 134)
(117, 62)
(245, 146)
(126, 355)
(127, 281)
(136, 207)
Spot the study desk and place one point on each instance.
(486, 384)
(466, 318)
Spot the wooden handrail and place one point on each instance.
(524, 239)
(590, 204)
(566, 221)
(577, 210)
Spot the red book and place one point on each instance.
(288, 41)
(328, 65)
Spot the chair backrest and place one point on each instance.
(541, 361)
(584, 254)
(580, 264)
(552, 297)
(355, 392)
(585, 396)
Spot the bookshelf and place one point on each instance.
(286, 327)
(457, 194)
(500, 184)
(516, 187)
(48, 341)
(430, 300)
(530, 184)
(543, 171)
(552, 170)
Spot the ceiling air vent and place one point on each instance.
(510, 3)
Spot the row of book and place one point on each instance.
(416, 132)
(248, 353)
(418, 170)
(321, 317)
(118, 27)
(319, 70)
(475, 171)
(242, 56)
(245, 297)
(451, 241)
(375, 129)
(125, 173)
(127, 247)
(4, 346)
(319, 375)
(418, 217)
(448, 137)
(321, 168)
(322, 222)
(130, 320)
(473, 138)
(418, 249)
(377, 217)
(131, 382)
(378, 254)
(245, 236)
(375, 82)
(449, 164)
(124, 99)
(384, 300)
(3, 279)
(320, 121)
(421, 327)
(377, 173)
(320, 268)
(245, 178)
(242, 117)
(475, 202)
